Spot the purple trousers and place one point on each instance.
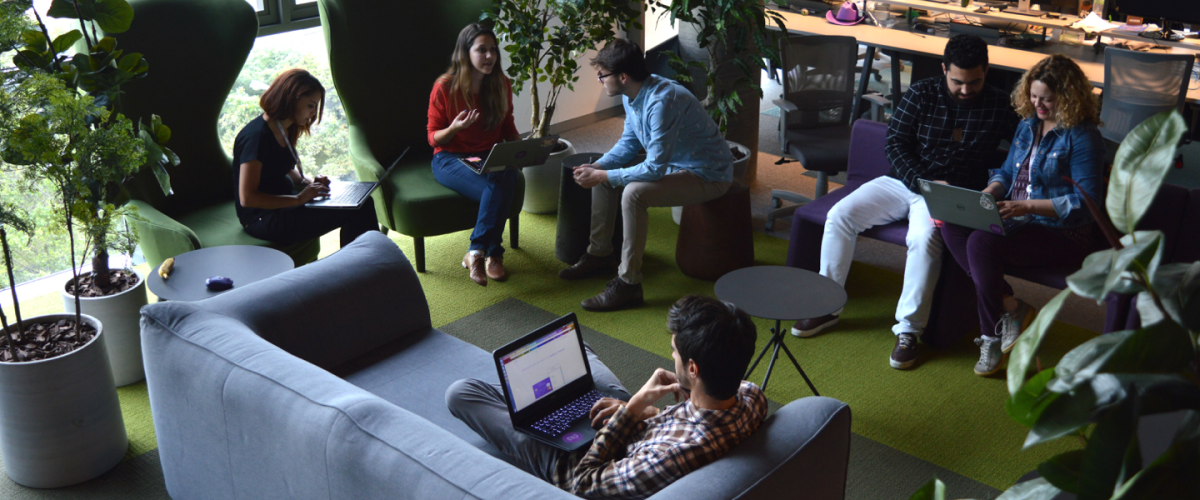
(984, 255)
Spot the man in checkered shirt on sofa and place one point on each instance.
(639, 450)
(946, 129)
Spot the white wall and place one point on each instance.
(659, 28)
(587, 98)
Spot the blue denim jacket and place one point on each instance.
(672, 126)
(1077, 152)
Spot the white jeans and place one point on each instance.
(881, 201)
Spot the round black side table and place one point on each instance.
(780, 293)
(244, 264)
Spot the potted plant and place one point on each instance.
(93, 187)
(1101, 389)
(60, 418)
(544, 39)
(724, 44)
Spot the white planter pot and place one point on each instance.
(60, 419)
(739, 174)
(543, 182)
(119, 314)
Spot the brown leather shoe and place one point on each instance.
(474, 263)
(590, 265)
(617, 294)
(808, 327)
(495, 268)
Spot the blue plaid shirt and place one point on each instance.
(632, 459)
(672, 126)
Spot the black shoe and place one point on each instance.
(808, 327)
(905, 352)
(590, 265)
(616, 295)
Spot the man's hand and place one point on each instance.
(1009, 209)
(589, 176)
(660, 384)
(605, 408)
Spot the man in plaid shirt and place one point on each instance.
(945, 129)
(638, 449)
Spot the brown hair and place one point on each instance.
(493, 98)
(280, 99)
(1073, 98)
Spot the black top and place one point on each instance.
(256, 142)
(934, 137)
(780, 292)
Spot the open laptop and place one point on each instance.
(346, 195)
(967, 208)
(548, 384)
(515, 154)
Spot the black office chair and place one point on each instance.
(814, 118)
(1138, 85)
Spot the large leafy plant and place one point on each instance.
(738, 42)
(1100, 390)
(96, 75)
(544, 39)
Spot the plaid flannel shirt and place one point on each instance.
(631, 459)
(934, 137)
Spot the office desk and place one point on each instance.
(1006, 58)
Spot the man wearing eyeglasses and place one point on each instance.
(687, 162)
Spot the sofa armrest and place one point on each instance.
(159, 235)
(337, 308)
(805, 446)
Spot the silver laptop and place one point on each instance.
(515, 154)
(548, 384)
(346, 195)
(967, 208)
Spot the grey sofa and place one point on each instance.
(329, 382)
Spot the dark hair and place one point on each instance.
(966, 52)
(279, 101)
(622, 56)
(493, 93)
(718, 336)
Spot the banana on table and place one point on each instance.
(167, 266)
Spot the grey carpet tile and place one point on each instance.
(137, 479)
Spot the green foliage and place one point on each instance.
(738, 42)
(544, 38)
(1101, 388)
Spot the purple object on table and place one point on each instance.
(218, 283)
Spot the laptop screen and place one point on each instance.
(539, 368)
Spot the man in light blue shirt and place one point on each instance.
(686, 162)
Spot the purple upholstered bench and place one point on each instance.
(953, 312)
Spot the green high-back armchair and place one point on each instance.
(195, 48)
(385, 56)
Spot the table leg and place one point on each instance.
(775, 339)
(801, 370)
(855, 108)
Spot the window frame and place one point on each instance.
(282, 16)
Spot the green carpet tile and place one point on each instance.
(939, 411)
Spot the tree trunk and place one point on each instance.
(743, 125)
(100, 272)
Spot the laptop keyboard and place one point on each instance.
(352, 193)
(557, 422)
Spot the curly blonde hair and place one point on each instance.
(1073, 98)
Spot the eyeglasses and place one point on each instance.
(601, 77)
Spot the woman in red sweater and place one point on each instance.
(470, 110)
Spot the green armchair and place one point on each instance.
(385, 56)
(196, 50)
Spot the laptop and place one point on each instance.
(968, 208)
(347, 195)
(515, 154)
(548, 385)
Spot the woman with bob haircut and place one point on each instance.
(1056, 143)
(270, 189)
(470, 110)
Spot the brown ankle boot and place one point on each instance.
(495, 268)
(475, 263)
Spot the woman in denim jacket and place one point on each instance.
(1058, 138)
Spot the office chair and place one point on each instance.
(1138, 85)
(814, 118)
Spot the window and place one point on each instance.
(280, 16)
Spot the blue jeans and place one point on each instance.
(493, 191)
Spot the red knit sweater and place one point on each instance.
(442, 110)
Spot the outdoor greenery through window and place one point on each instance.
(323, 153)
